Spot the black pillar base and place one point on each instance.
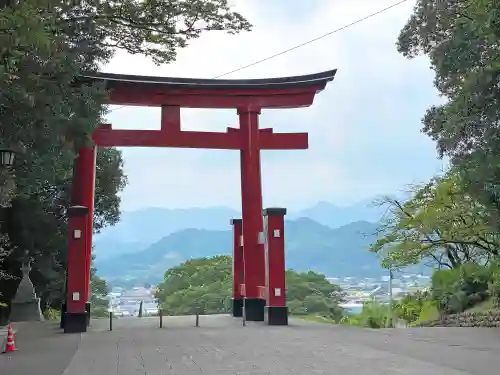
(254, 309)
(63, 315)
(75, 322)
(237, 308)
(276, 315)
(87, 310)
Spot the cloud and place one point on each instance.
(364, 128)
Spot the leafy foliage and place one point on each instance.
(461, 39)
(197, 284)
(310, 293)
(410, 307)
(373, 315)
(205, 284)
(47, 114)
(456, 290)
(441, 224)
(463, 49)
(99, 292)
(453, 221)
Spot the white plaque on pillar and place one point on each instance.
(77, 233)
(76, 296)
(276, 233)
(261, 238)
(277, 292)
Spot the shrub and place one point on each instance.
(494, 283)
(374, 315)
(457, 289)
(410, 306)
(99, 312)
(51, 314)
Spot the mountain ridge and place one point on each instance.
(335, 252)
(141, 228)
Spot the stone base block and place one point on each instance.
(237, 308)
(254, 309)
(87, 310)
(26, 311)
(276, 315)
(75, 322)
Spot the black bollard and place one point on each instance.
(140, 310)
(244, 314)
(110, 320)
(160, 311)
(197, 318)
(63, 315)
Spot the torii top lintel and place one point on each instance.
(285, 92)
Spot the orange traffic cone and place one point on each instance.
(11, 345)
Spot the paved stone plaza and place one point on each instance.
(221, 345)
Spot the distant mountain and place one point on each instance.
(335, 216)
(139, 229)
(109, 247)
(339, 252)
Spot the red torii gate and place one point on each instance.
(248, 97)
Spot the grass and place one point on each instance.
(484, 306)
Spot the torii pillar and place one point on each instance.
(248, 97)
(238, 269)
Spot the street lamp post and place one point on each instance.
(7, 157)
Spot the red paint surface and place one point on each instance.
(230, 140)
(80, 250)
(155, 96)
(275, 273)
(88, 164)
(248, 139)
(251, 198)
(77, 278)
(238, 269)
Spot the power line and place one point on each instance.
(304, 43)
(313, 40)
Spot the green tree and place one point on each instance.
(461, 39)
(197, 284)
(441, 224)
(206, 284)
(99, 293)
(38, 224)
(48, 113)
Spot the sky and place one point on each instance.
(364, 128)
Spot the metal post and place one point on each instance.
(161, 317)
(390, 298)
(110, 320)
(244, 313)
(197, 318)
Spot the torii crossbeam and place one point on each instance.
(248, 97)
